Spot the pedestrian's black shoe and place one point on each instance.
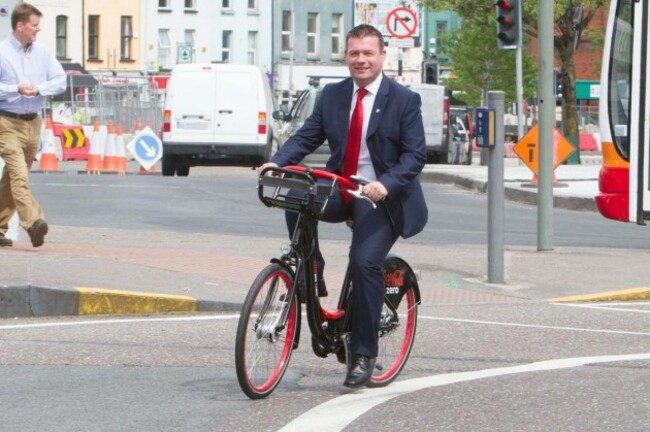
(37, 232)
(360, 371)
(6, 242)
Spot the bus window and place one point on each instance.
(620, 75)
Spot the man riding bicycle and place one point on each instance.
(375, 131)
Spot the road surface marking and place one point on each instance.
(117, 321)
(351, 406)
(606, 307)
(507, 324)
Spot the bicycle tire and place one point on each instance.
(398, 321)
(262, 350)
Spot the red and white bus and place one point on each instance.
(624, 179)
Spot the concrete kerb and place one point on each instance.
(39, 301)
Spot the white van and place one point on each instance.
(216, 114)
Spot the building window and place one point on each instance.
(93, 37)
(252, 4)
(225, 4)
(190, 4)
(61, 36)
(226, 45)
(164, 48)
(190, 37)
(252, 47)
(337, 35)
(126, 33)
(287, 33)
(164, 4)
(313, 45)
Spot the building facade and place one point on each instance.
(308, 40)
(111, 35)
(189, 31)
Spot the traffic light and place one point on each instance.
(431, 73)
(508, 24)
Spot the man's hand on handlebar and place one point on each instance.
(375, 191)
(266, 165)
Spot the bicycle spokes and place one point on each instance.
(266, 332)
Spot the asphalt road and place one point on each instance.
(225, 201)
(511, 366)
(482, 363)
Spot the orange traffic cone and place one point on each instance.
(94, 163)
(120, 151)
(48, 162)
(109, 163)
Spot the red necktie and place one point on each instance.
(351, 158)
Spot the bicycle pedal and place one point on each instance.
(378, 366)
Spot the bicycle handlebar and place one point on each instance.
(344, 183)
(304, 178)
(352, 185)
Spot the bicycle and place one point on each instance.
(269, 325)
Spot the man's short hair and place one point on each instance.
(22, 12)
(365, 30)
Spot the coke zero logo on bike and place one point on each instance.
(396, 278)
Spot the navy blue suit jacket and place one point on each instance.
(395, 140)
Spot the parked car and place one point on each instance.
(216, 114)
(292, 121)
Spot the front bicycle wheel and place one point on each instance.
(266, 332)
(398, 321)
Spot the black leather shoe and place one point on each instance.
(6, 242)
(360, 371)
(37, 232)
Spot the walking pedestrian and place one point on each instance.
(28, 73)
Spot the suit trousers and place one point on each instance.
(372, 238)
(19, 141)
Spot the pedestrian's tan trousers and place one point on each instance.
(19, 140)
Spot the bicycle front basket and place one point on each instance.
(275, 188)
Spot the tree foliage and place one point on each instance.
(571, 17)
(479, 66)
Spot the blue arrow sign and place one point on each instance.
(146, 148)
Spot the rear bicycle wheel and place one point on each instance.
(398, 321)
(266, 332)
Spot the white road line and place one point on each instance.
(236, 316)
(623, 303)
(118, 321)
(349, 407)
(602, 307)
(507, 324)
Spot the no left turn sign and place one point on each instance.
(401, 23)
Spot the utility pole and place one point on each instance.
(545, 27)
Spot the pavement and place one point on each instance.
(90, 271)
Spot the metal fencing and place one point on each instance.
(109, 98)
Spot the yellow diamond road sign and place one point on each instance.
(528, 149)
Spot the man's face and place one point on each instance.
(26, 31)
(365, 59)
